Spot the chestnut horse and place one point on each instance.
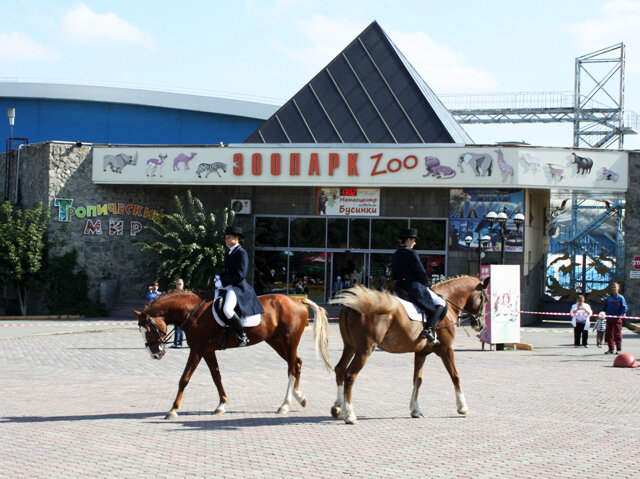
(282, 324)
(371, 319)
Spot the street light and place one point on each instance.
(483, 244)
(501, 219)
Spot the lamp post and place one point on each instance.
(483, 244)
(501, 219)
(11, 114)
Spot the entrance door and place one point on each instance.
(346, 270)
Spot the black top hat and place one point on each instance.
(408, 233)
(234, 230)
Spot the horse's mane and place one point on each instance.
(202, 294)
(450, 280)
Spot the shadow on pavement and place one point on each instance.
(84, 417)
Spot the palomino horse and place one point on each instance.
(372, 319)
(283, 322)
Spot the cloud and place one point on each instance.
(85, 25)
(443, 68)
(18, 46)
(617, 22)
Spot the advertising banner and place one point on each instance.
(468, 208)
(503, 321)
(348, 201)
(433, 166)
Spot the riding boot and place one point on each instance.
(429, 331)
(236, 324)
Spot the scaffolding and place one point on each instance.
(595, 107)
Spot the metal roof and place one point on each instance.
(369, 93)
(137, 96)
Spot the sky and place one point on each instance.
(267, 50)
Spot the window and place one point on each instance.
(431, 234)
(337, 233)
(384, 233)
(271, 231)
(308, 232)
(359, 233)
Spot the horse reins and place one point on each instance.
(169, 336)
(469, 314)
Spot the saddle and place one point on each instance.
(410, 308)
(221, 319)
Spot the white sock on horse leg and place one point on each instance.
(288, 396)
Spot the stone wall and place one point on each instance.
(631, 286)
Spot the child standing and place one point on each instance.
(580, 314)
(599, 327)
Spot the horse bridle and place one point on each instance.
(470, 316)
(168, 338)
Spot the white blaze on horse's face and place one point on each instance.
(147, 339)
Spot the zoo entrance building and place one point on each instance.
(321, 185)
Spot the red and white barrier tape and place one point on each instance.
(56, 323)
(567, 314)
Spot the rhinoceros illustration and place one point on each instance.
(119, 161)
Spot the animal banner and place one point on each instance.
(468, 207)
(366, 166)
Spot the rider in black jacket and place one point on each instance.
(412, 283)
(239, 293)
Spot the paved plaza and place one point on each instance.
(83, 399)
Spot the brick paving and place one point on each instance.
(91, 404)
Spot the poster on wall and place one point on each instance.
(467, 209)
(348, 201)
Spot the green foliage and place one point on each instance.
(67, 291)
(22, 243)
(188, 244)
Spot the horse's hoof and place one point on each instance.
(303, 403)
(335, 412)
(464, 411)
(283, 410)
(219, 411)
(351, 419)
(417, 413)
(172, 415)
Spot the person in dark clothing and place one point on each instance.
(412, 283)
(238, 293)
(615, 307)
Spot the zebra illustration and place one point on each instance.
(210, 167)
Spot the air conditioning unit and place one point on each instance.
(241, 207)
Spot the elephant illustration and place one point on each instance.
(480, 163)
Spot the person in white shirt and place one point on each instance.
(580, 314)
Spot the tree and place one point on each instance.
(189, 243)
(22, 246)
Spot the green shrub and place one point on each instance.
(68, 291)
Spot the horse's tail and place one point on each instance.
(320, 334)
(366, 301)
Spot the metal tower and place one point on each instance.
(595, 107)
(599, 98)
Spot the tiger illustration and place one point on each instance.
(209, 167)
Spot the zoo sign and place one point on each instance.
(361, 166)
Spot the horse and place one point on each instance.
(282, 324)
(372, 319)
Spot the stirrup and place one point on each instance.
(243, 340)
(429, 334)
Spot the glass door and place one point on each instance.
(346, 269)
